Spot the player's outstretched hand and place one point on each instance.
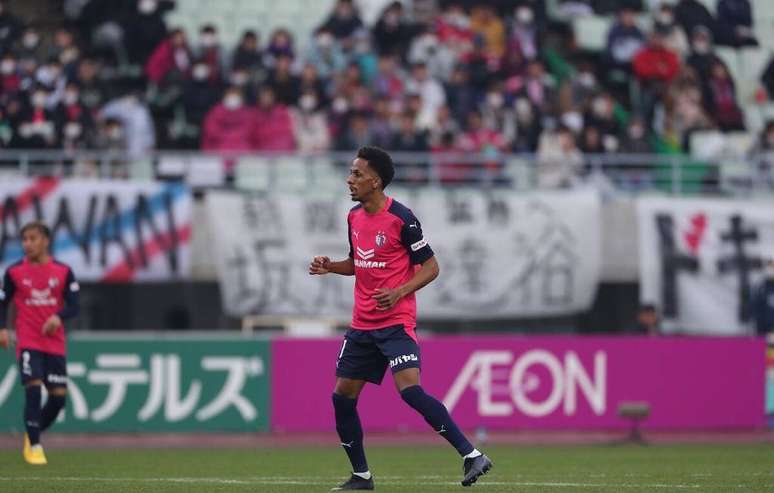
(319, 266)
(53, 323)
(5, 339)
(386, 298)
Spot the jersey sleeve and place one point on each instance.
(414, 241)
(71, 295)
(7, 291)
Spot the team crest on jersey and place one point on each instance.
(53, 282)
(381, 239)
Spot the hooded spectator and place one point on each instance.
(136, 121)
(691, 14)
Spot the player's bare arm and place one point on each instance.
(5, 338)
(323, 265)
(386, 298)
(51, 325)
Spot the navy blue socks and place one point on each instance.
(437, 416)
(32, 413)
(350, 431)
(51, 410)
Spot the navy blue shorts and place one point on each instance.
(37, 365)
(366, 354)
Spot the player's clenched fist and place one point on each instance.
(319, 266)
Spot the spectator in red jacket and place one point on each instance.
(171, 58)
(655, 67)
(273, 129)
(229, 125)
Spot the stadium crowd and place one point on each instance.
(478, 76)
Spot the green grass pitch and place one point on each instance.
(701, 468)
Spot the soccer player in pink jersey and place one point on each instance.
(391, 260)
(44, 293)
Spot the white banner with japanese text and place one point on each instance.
(501, 255)
(700, 260)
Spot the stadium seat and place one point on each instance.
(763, 10)
(591, 32)
(290, 173)
(205, 171)
(707, 144)
(171, 167)
(252, 173)
(753, 61)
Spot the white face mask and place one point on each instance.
(201, 72)
(701, 47)
(209, 40)
(308, 102)
(525, 16)
(39, 99)
(340, 105)
(239, 79)
(147, 6)
(599, 107)
(72, 130)
(587, 79)
(70, 97)
(495, 100)
(232, 101)
(636, 132)
(30, 40)
(7, 67)
(666, 19)
(325, 41)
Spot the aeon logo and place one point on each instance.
(537, 383)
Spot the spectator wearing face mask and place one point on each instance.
(674, 36)
(624, 40)
(528, 126)
(310, 128)
(702, 57)
(200, 93)
(453, 30)
(392, 33)
(74, 121)
(601, 114)
(577, 91)
(209, 51)
(273, 129)
(37, 128)
(229, 125)
(325, 54)
(524, 37)
(636, 140)
(560, 163)
(29, 45)
(170, 60)
(145, 28)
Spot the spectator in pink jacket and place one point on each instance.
(170, 58)
(273, 124)
(229, 125)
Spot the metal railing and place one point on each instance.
(667, 173)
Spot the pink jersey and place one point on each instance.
(386, 247)
(39, 291)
